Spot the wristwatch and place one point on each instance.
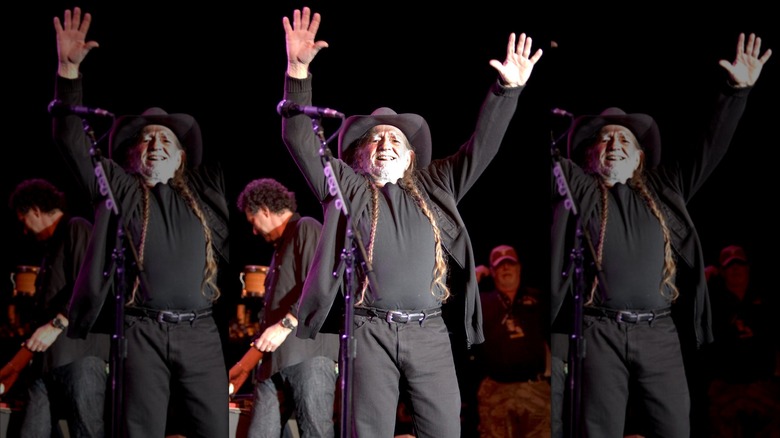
(58, 324)
(288, 324)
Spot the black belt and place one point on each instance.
(628, 316)
(398, 316)
(169, 316)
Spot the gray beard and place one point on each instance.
(152, 176)
(613, 175)
(380, 175)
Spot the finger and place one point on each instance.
(751, 43)
(85, 23)
(306, 18)
(757, 51)
(520, 43)
(766, 56)
(537, 55)
(76, 18)
(315, 23)
(725, 64)
(67, 19)
(518, 49)
(757, 47)
(740, 44)
(510, 47)
(296, 19)
(529, 42)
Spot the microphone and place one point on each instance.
(561, 112)
(288, 109)
(57, 108)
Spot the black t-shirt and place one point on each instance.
(175, 253)
(633, 257)
(515, 335)
(404, 252)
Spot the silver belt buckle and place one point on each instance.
(619, 315)
(390, 313)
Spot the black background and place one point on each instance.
(223, 62)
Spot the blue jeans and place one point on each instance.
(75, 392)
(311, 386)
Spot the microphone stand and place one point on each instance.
(118, 341)
(354, 239)
(577, 345)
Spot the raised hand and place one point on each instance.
(747, 65)
(517, 67)
(300, 39)
(72, 46)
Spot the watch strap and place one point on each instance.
(58, 324)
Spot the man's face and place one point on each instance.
(736, 275)
(261, 223)
(32, 221)
(615, 155)
(506, 275)
(157, 155)
(386, 155)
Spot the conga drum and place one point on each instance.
(253, 281)
(23, 280)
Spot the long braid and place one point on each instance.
(440, 267)
(210, 270)
(142, 243)
(670, 266)
(372, 236)
(602, 236)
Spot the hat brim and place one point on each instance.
(643, 126)
(184, 126)
(734, 259)
(503, 259)
(414, 127)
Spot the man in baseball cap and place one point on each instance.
(513, 359)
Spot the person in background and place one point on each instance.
(304, 371)
(513, 398)
(643, 294)
(744, 392)
(70, 374)
(174, 218)
(418, 252)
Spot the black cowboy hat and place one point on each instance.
(414, 127)
(183, 126)
(585, 128)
